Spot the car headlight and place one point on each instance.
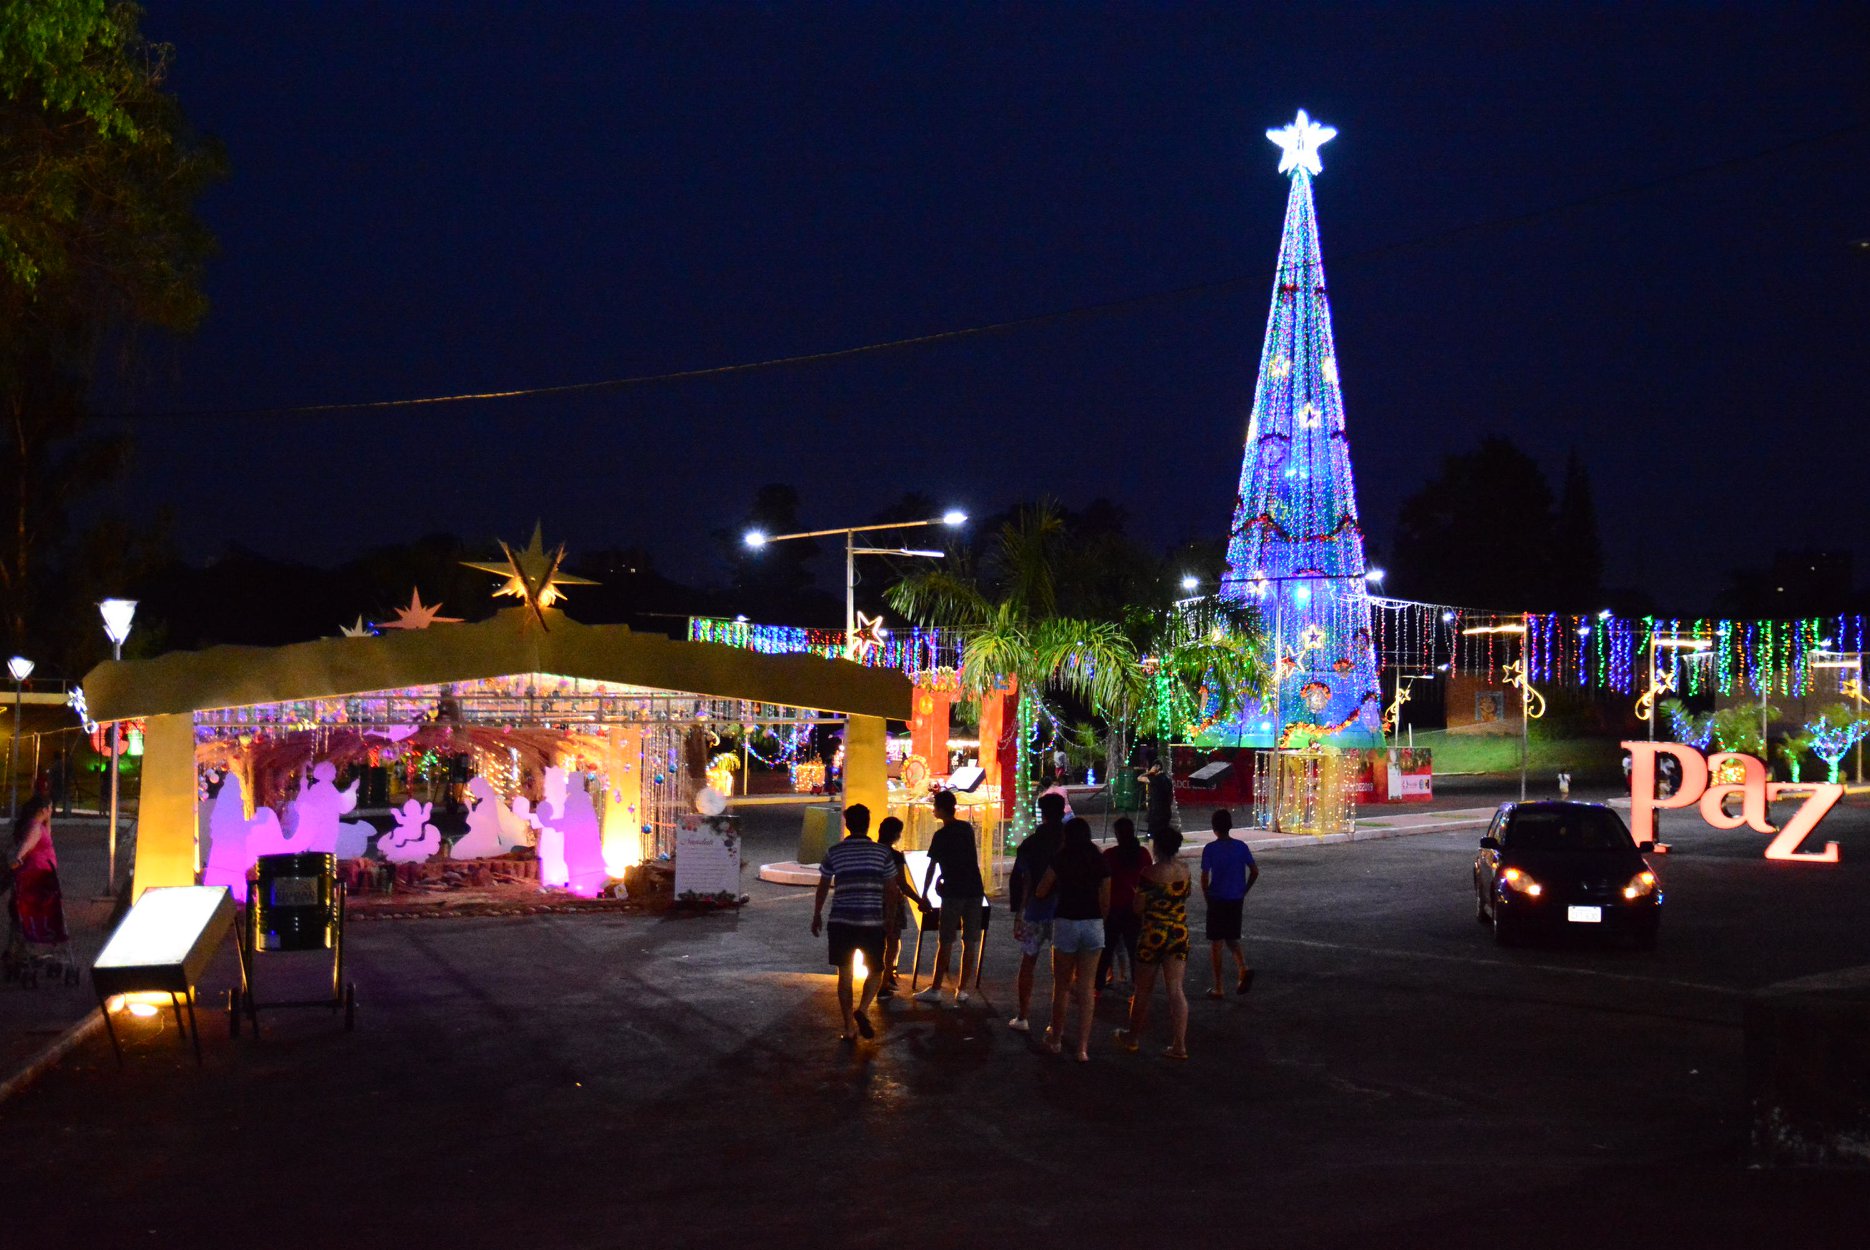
(1643, 883)
(1514, 879)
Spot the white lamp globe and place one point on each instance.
(117, 614)
(20, 667)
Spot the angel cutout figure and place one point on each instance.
(583, 842)
(312, 820)
(234, 842)
(413, 839)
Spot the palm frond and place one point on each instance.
(938, 597)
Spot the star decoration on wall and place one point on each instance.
(1299, 144)
(532, 576)
(359, 630)
(1311, 638)
(867, 637)
(418, 615)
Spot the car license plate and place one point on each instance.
(1585, 915)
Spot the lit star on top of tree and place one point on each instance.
(1299, 144)
(532, 575)
(418, 615)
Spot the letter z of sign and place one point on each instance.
(1785, 844)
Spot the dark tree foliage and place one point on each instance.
(1479, 534)
(1577, 558)
(99, 175)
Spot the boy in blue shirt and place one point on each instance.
(1227, 873)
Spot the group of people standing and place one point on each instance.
(1104, 913)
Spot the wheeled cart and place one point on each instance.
(295, 902)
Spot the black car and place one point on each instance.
(1550, 867)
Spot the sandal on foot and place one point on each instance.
(1216, 993)
(1246, 982)
(1172, 1053)
(863, 1026)
(1126, 1040)
(1053, 1044)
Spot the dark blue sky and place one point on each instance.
(467, 196)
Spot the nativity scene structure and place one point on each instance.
(586, 743)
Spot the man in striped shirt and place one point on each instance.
(862, 879)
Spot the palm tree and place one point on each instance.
(1011, 632)
(1205, 663)
(1146, 671)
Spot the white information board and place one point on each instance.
(707, 858)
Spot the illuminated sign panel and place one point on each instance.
(1733, 776)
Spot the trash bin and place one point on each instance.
(1123, 790)
(295, 902)
(823, 825)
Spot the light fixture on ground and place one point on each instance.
(757, 539)
(118, 615)
(21, 668)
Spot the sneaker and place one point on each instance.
(961, 999)
(1018, 1025)
(930, 995)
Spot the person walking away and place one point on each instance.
(1159, 798)
(1080, 880)
(1227, 873)
(888, 834)
(861, 878)
(1162, 901)
(36, 913)
(1126, 862)
(954, 852)
(1032, 915)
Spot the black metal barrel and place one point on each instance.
(294, 902)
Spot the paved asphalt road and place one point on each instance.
(1394, 1079)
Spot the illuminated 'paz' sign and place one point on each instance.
(1752, 789)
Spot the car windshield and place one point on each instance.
(1568, 829)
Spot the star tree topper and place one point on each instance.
(532, 575)
(1299, 144)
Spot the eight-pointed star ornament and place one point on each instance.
(418, 615)
(532, 575)
(1299, 144)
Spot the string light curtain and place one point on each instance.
(1296, 550)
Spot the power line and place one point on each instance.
(1106, 308)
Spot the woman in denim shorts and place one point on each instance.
(1081, 879)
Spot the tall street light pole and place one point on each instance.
(953, 518)
(117, 614)
(21, 668)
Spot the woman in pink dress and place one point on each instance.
(37, 913)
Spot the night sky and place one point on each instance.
(440, 198)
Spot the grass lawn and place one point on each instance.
(1586, 759)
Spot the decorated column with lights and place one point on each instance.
(1295, 549)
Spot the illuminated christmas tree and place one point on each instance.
(1296, 550)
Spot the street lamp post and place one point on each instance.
(21, 668)
(952, 518)
(117, 614)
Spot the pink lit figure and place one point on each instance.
(312, 820)
(413, 839)
(583, 843)
(234, 842)
(548, 820)
(492, 829)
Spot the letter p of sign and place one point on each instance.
(1643, 801)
